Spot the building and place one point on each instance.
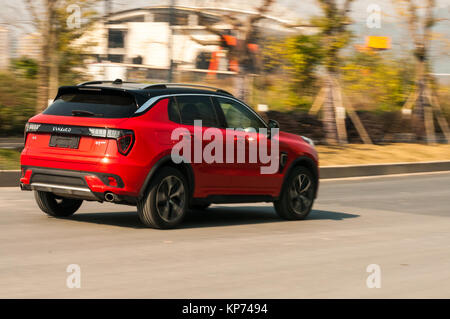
(4, 48)
(144, 39)
(29, 46)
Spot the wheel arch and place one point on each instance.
(304, 161)
(166, 161)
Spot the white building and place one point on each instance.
(140, 38)
(4, 48)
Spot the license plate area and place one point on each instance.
(64, 141)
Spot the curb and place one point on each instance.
(11, 178)
(344, 171)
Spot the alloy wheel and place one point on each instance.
(170, 199)
(301, 193)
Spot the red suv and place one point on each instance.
(112, 141)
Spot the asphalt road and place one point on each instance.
(400, 223)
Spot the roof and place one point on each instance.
(155, 89)
(206, 10)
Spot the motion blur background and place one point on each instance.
(367, 80)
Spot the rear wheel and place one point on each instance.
(165, 203)
(298, 195)
(56, 206)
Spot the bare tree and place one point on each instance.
(245, 33)
(49, 18)
(43, 20)
(423, 100)
(333, 30)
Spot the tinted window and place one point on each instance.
(238, 115)
(197, 108)
(174, 113)
(100, 104)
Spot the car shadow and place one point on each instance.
(213, 217)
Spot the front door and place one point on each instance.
(247, 176)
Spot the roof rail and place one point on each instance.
(116, 81)
(166, 85)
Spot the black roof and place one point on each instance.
(155, 89)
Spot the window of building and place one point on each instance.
(116, 58)
(116, 38)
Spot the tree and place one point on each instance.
(423, 99)
(379, 81)
(240, 43)
(25, 66)
(51, 20)
(335, 36)
(299, 55)
(292, 63)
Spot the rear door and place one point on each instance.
(210, 178)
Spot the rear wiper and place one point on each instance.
(84, 113)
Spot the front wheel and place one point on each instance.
(56, 206)
(165, 203)
(298, 195)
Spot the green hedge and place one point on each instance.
(17, 103)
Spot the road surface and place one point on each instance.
(401, 224)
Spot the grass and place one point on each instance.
(350, 154)
(353, 154)
(9, 159)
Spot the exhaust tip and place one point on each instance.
(111, 197)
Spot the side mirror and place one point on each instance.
(273, 124)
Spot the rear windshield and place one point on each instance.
(93, 104)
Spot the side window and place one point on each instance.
(238, 115)
(197, 108)
(174, 113)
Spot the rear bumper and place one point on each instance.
(65, 191)
(74, 184)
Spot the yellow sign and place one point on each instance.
(377, 42)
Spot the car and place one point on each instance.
(112, 141)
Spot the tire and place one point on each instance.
(166, 201)
(298, 195)
(56, 206)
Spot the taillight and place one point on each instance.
(30, 127)
(124, 143)
(124, 138)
